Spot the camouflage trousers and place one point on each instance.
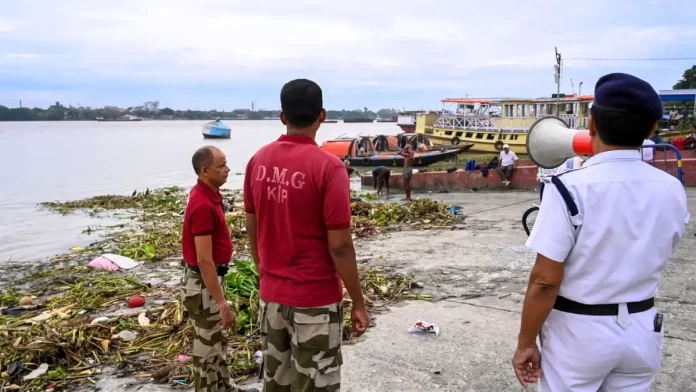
(211, 373)
(301, 347)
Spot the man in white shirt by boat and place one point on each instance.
(507, 162)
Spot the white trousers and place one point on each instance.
(600, 353)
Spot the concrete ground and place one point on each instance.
(478, 275)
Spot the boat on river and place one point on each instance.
(351, 147)
(491, 123)
(421, 159)
(216, 130)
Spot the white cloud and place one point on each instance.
(369, 43)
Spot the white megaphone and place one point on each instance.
(550, 142)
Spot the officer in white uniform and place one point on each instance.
(601, 248)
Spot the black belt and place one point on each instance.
(565, 305)
(222, 269)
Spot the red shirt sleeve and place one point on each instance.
(248, 195)
(202, 220)
(337, 199)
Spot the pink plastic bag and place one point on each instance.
(103, 263)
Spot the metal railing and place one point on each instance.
(663, 149)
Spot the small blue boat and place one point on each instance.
(216, 130)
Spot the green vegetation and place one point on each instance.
(58, 112)
(688, 80)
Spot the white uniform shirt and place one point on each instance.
(507, 159)
(648, 152)
(619, 250)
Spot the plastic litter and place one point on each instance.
(258, 357)
(42, 369)
(424, 327)
(143, 320)
(99, 320)
(112, 262)
(455, 210)
(126, 336)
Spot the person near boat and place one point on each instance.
(601, 247)
(207, 250)
(507, 163)
(298, 217)
(408, 155)
(380, 179)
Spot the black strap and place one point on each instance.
(221, 269)
(568, 306)
(567, 198)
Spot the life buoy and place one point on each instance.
(455, 141)
(499, 145)
(366, 161)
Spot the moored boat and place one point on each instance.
(349, 147)
(491, 123)
(406, 120)
(421, 159)
(368, 145)
(216, 130)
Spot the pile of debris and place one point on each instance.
(418, 214)
(61, 325)
(81, 321)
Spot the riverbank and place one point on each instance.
(477, 275)
(74, 322)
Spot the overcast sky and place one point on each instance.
(224, 54)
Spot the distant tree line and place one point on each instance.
(58, 112)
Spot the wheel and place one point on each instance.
(455, 141)
(526, 216)
(499, 145)
(366, 161)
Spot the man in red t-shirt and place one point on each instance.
(297, 200)
(207, 250)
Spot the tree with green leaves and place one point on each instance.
(688, 80)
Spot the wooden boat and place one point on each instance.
(420, 160)
(216, 130)
(384, 143)
(370, 145)
(491, 123)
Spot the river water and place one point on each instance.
(47, 161)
